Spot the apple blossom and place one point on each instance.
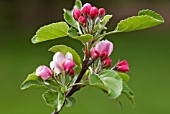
(76, 13)
(86, 8)
(122, 66)
(44, 72)
(93, 12)
(107, 63)
(94, 54)
(104, 48)
(102, 12)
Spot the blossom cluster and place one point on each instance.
(60, 65)
(88, 14)
(65, 64)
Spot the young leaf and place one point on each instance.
(54, 99)
(145, 19)
(108, 80)
(83, 38)
(68, 15)
(124, 76)
(51, 31)
(70, 101)
(64, 49)
(129, 94)
(103, 22)
(31, 81)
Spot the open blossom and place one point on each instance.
(58, 60)
(122, 66)
(104, 48)
(44, 72)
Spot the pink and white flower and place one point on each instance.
(104, 48)
(44, 72)
(61, 62)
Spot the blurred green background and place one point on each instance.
(147, 51)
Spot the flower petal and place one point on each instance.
(69, 56)
(58, 57)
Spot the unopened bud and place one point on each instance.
(94, 54)
(102, 12)
(122, 66)
(93, 12)
(76, 13)
(103, 55)
(86, 9)
(72, 72)
(44, 72)
(107, 63)
(68, 65)
(82, 20)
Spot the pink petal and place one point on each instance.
(58, 57)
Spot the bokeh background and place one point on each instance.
(148, 52)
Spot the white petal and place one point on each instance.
(58, 57)
(69, 56)
(57, 71)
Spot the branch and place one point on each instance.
(85, 66)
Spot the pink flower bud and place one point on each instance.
(86, 9)
(104, 48)
(68, 65)
(82, 20)
(44, 72)
(76, 13)
(122, 66)
(72, 72)
(93, 12)
(94, 54)
(102, 12)
(103, 55)
(107, 63)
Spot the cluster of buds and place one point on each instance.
(103, 50)
(87, 14)
(60, 64)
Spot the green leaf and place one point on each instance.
(129, 94)
(109, 81)
(151, 13)
(105, 20)
(64, 49)
(124, 76)
(50, 32)
(68, 15)
(54, 99)
(32, 81)
(70, 101)
(83, 38)
(145, 19)
(100, 26)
